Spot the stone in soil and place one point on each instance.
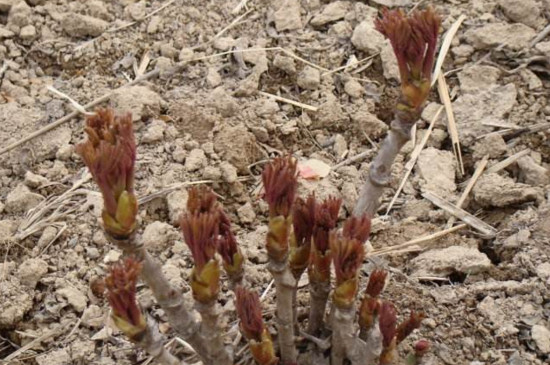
(493, 145)
(157, 236)
(155, 132)
(33, 180)
(541, 336)
(494, 190)
(330, 115)
(335, 10)
(322, 188)
(141, 101)
(471, 110)
(177, 205)
(285, 63)
(478, 78)
(366, 38)
(31, 271)
(224, 103)
(309, 78)
(437, 168)
(389, 62)
(527, 12)
(453, 259)
(237, 146)
(190, 118)
(287, 17)
(93, 317)
(21, 199)
(514, 36)
(195, 160)
(78, 25)
(544, 48)
(20, 14)
(246, 213)
(530, 172)
(16, 302)
(354, 88)
(229, 172)
(368, 123)
(74, 297)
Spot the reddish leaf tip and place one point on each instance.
(377, 281)
(200, 232)
(303, 218)
(408, 326)
(347, 255)
(387, 321)
(357, 228)
(280, 183)
(121, 289)
(250, 313)
(326, 216)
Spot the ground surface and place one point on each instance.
(487, 299)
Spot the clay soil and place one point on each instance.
(213, 120)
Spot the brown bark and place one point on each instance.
(319, 292)
(184, 321)
(285, 285)
(380, 168)
(212, 334)
(345, 343)
(152, 343)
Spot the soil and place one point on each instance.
(486, 299)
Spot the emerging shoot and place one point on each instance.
(110, 154)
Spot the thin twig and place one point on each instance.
(461, 214)
(445, 45)
(221, 32)
(417, 241)
(239, 7)
(73, 102)
(414, 157)
(350, 160)
(350, 65)
(34, 342)
(289, 101)
(451, 123)
(540, 36)
(142, 19)
(477, 173)
(508, 161)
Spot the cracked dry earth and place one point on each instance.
(486, 296)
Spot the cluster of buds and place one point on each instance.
(110, 155)
(280, 183)
(370, 304)
(348, 252)
(301, 233)
(200, 231)
(303, 221)
(121, 294)
(414, 40)
(207, 230)
(326, 217)
(253, 328)
(393, 335)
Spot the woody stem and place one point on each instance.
(380, 168)
(285, 285)
(184, 321)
